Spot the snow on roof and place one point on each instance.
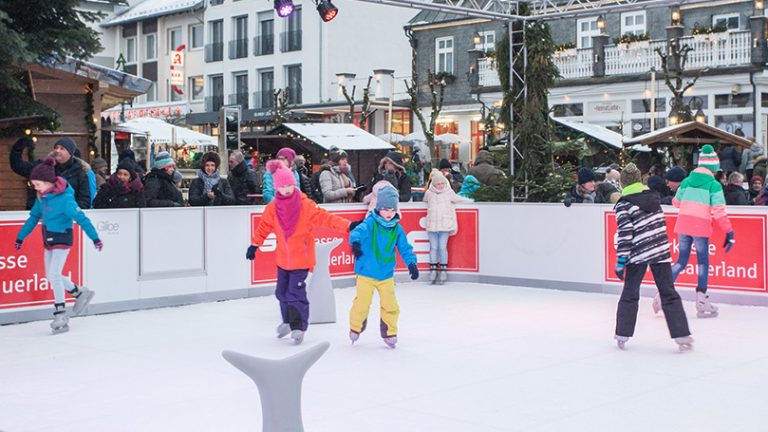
(154, 8)
(609, 137)
(345, 136)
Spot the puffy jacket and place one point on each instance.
(735, 195)
(484, 171)
(441, 209)
(641, 233)
(469, 186)
(243, 182)
(700, 199)
(222, 194)
(298, 251)
(74, 172)
(730, 159)
(57, 209)
(160, 191)
(378, 239)
(403, 181)
(268, 185)
(332, 185)
(115, 195)
(748, 155)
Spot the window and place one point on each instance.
(151, 95)
(214, 51)
(240, 27)
(731, 21)
(150, 46)
(196, 89)
(196, 36)
(294, 20)
(487, 41)
(730, 100)
(240, 91)
(643, 126)
(290, 39)
(401, 122)
(263, 98)
(585, 29)
(174, 39)
(293, 81)
(216, 2)
(739, 124)
(216, 98)
(238, 46)
(444, 54)
(568, 110)
(265, 41)
(130, 50)
(633, 23)
(174, 95)
(644, 105)
(217, 31)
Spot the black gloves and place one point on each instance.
(413, 270)
(729, 242)
(250, 254)
(22, 142)
(357, 250)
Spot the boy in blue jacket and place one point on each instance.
(56, 206)
(373, 243)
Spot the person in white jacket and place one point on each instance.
(441, 224)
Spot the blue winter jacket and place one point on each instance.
(57, 211)
(469, 186)
(268, 185)
(383, 266)
(92, 184)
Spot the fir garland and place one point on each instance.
(89, 121)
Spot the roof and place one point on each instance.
(153, 9)
(689, 133)
(163, 132)
(345, 136)
(426, 17)
(599, 133)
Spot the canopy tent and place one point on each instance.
(693, 132)
(392, 138)
(160, 132)
(345, 136)
(598, 133)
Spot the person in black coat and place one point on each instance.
(159, 189)
(734, 193)
(123, 189)
(67, 166)
(730, 159)
(209, 189)
(393, 161)
(242, 179)
(300, 166)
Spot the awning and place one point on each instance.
(160, 132)
(599, 133)
(345, 136)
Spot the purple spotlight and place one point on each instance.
(284, 8)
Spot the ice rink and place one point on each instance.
(470, 357)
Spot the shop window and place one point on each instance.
(730, 100)
(569, 110)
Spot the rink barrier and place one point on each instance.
(170, 257)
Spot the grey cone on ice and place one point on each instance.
(320, 287)
(279, 384)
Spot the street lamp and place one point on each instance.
(601, 23)
(759, 5)
(477, 39)
(674, 117)
(676, 15)
(700, 117)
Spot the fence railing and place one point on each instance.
(214, 52)
(213, 103)
(290, 41)
(238, 48)
(487, 74)
(264, 45)
(263, 100)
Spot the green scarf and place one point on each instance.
(389, 231)
(633, 189)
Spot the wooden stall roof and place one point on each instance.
(692, 132)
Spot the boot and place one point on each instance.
(704, 309)
(656, 303)
(684, 343)
(297, 336)
(433, 273)
(83, 297)
(60, 323)
(620, 341)
(391, 341)
(282, 330)
(443, 273)
(354, 336)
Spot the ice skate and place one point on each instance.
(705, 309)
(621, 341)
(282, 330)
(391, 341)
(433, 273)
(656, 303)
(60, 323)
(82, 300)
(684, 343)
(354, 336)
(297, 336)
(443, 274)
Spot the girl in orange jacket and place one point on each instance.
(291, 216)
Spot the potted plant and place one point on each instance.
(445, 77)
(567, 49)
(710, 34)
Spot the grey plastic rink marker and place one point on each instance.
(322, 302)
(279, 384)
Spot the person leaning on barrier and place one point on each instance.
(159, 189)
(123, 189)
(209, 188)
(585, 189)
(734, 192)
(484, 170)
(335, 182)
(392, 163)
(299, 165)
(242, 180)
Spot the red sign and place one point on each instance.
(22, 273)
(463, 248)
(743, 269)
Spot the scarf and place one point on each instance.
(58, 187)
(134, 184)
(386, 229)
(288, 209)
(209, 181)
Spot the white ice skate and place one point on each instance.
(705, 309)
(621, 341)
(443, 274)
(656, 303)
(433, 273)
(60, 323)
(354, 336)
(297, 336)
(282, 330)
(391, 341)
(82, 301)
(685, 343)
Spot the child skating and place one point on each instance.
(700, 200)
(642, 241)
(441, 224)
(55, 205)
(291, 216)
(373, 243)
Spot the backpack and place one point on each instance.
(316, 193)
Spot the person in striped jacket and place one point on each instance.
(700, 200)
(641, 241)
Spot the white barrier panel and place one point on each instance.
(161, 257)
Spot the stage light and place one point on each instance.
(327, 10)
(284, 8)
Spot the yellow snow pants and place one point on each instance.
(390, 311)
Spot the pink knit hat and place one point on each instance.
(287, 153)
(281, 176)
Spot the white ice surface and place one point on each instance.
(470, 358)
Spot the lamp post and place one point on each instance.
(681, 113)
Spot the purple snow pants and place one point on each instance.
(291, 291)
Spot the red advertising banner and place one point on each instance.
(463, 248)
(22, 273)
(742, 269)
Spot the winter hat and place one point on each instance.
(444, 164)
(708, 159)
(163, 160)
(336, 154)
(756, 178)
(126, 164)
(287, 153)
(631, 175)
(387, 198)
(98, 163)
(676, 174)
(396, 158)
(586, 176)
(281, 176)
(613, 174)
(437, 177)
(655, 183)
(68, 144)
(44, 171)
(211, 157)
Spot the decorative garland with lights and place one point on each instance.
(90, 122)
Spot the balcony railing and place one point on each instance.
(239, 99)
(264, 45)
(715, 50)
(213, 103)
(487, 75)
(214, 52)
(238, 48)
(263, 100)
(290, 41)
